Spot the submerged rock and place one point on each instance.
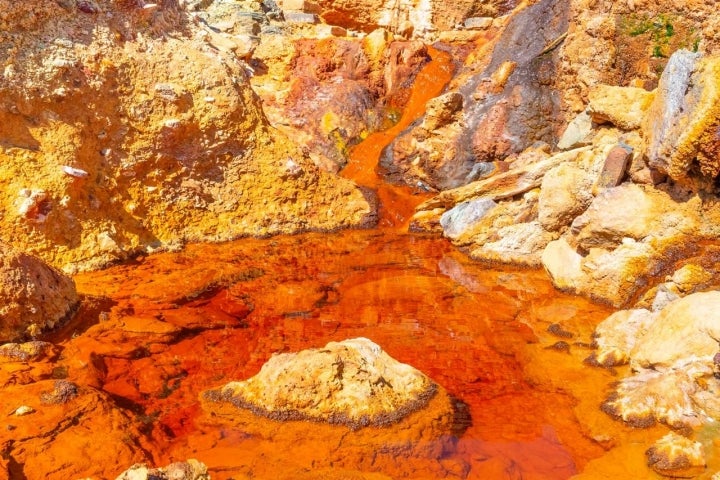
(83, 427)
(33, 295)
(352, 383)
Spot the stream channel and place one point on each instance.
(502, 341)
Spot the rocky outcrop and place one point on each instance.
(684, 121)
(142, 132)
(629, 44)
(334, 92)
(351, 383)
(673, 353)
(507, 107)
(33, 296)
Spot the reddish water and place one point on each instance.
(398, 202)
(176, 324)
(181, 325)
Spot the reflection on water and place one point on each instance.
(186, 322)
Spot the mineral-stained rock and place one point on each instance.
(624, 107)
(616, 336)
(63, 391)
(519, 244)
(686, 327)
(564, 265)
(631, 211)
(23, 352)
(404, 416)
(507, 106)
(684, 119)
(564, 194)
(682, 396)
(514, 181)
(676, 456)
(189, 470)
(36, 442)
(610, 276)
(464, 215)
(328, 94)
(33, 295)
(171, 156)
(577, 133)
(440, 110)
(352, 383)
(613, 170)
(426, 17)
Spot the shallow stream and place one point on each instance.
(507, 345)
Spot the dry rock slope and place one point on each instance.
(125, 129)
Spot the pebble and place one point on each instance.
(23, 410)
(75, 172)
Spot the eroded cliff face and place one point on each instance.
(127, 129)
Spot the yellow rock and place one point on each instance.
(624, 107)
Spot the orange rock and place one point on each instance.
(33, 296)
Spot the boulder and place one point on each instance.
(577, 133)
(464, 216)
(631, 211)
(688, 327)
(684, 118)
(624, 107)
(564, 194)
(676, 456)
(616, 336)
(614, 167)
(352, 383)
(563, 264)
(33, 296)
(519, 244)
(611, 276)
